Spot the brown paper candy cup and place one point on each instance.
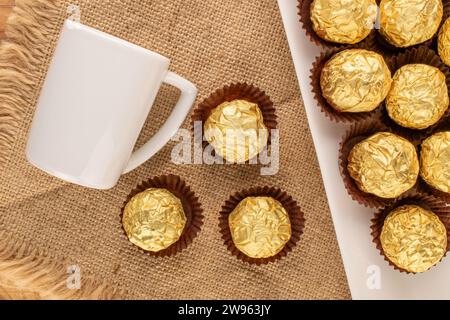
(425, 187)
(354, 135)
(446, 4)
(325, 107)
(232, 92)
(296, 218)
(304, 12)
(425, 201)
(422, 55)
(191, 206)
(390, 50)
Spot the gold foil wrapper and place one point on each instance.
(343, 21)
(414, 239)
(444, 42)
(260, 227)
(406, 23)
(435, 161)
(418, 97)
(355, 80)
(154, 219)
(384, 164)
(236, 130)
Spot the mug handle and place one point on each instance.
(172, 124)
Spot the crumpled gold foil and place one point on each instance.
(444, 42)
(355, 80)
(343, 21)
(406, 23)
(414, 239)
(154, 219)
(418, 97)
(435, 161)
(384, 164)
(236, 130)
(260, 227)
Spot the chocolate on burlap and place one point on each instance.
(211, 43)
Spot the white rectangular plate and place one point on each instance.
(363, 264)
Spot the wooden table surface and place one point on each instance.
(6, 7)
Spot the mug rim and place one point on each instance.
(74, 25)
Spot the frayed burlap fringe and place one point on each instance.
(33, 275)
(26, 274)
(20, 55)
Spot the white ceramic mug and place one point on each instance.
(95, 100)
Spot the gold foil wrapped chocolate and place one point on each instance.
(154, 219)
(236, 130)
(260, 227)
(414, 239)
(435, 161)
(343, 21)
(405, 23)
(355, 80)
(384, 164)
(444, 42)
(418, 97)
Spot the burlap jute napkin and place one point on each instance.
(47, 225)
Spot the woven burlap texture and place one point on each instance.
(211, 43)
